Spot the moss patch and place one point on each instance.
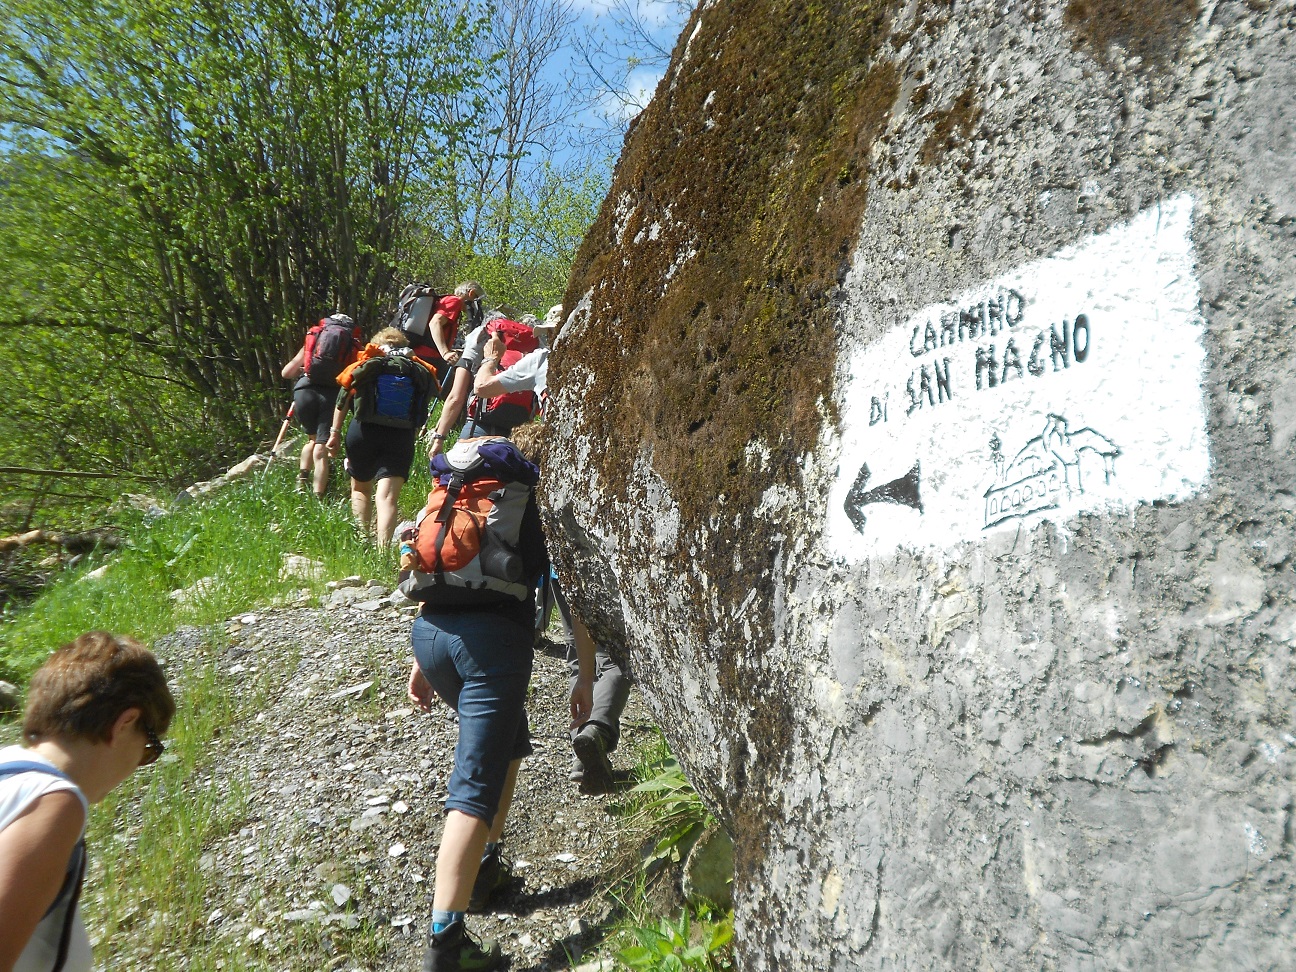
(952, 126)
(713, 264)
(1154, 30)
(754, 158)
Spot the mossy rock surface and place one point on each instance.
(1039, 748)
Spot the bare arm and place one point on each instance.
(452, 409)
(34, 852)
(295, 367)
(523, 374)
(486, 385)
(335, 430)
(443, 332)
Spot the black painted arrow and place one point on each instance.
(902, 491)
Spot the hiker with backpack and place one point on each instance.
(500, 377)
(390, 388)
(96, 712)
(514, 344)
(330, 346)
(430, 321)
(473, 559)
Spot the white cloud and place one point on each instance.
(640, 87)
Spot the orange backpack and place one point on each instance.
(466, 542)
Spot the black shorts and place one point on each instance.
(313, 406)
(378, 451)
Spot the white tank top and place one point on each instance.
(17, 793)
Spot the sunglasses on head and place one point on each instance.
(152, 749)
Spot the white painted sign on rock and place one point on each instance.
(1070, 384)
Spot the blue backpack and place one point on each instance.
(393, 390)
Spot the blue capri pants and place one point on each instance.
(479, 663)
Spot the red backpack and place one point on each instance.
(510, 409)
(331, 345)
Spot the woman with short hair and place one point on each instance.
(96, 710)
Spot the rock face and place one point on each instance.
(927, 408)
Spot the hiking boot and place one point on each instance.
(590, 746)
(577, 773)
(492, 875)
(452, 950)
(304, 481)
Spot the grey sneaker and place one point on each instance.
(492, 875)
(590, 746)
(452, 950)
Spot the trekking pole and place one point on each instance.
(283, 430)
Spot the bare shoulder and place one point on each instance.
(56, 817)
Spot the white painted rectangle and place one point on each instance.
(1070, 384)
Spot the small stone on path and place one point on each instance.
(353, 690)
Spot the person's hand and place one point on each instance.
(435, 443)
(453, 355)
(420, 692)
(494, 348)
(334, 443)
(582, 701)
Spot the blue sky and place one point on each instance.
(606, 21)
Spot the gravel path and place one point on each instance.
(333, 866)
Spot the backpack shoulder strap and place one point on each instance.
(445, 514)
(70, 892)
(15, 766)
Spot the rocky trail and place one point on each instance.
(333, 865)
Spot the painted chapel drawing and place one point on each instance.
(1049, 471)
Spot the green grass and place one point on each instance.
(237, 536)
(691, 941)
(147, 890)
(665, 806)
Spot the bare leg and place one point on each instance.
(320, 456)
(458, 859)
(307, 456)
(506, 801)
(362, 503)
(387, 501)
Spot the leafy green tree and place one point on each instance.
(203, 178)
(185, 185)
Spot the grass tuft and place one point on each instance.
(201, 564)
(666, 807)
